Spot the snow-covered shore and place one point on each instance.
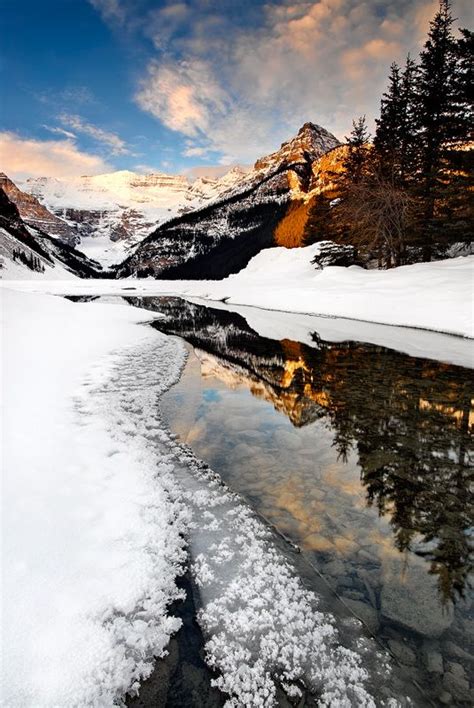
(436, 296)
(92, 536)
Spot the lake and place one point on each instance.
(360, 455)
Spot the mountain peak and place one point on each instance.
(311, 142)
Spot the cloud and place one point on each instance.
(22, 157)
(110, 10)
(192, 151)
(184, 96)
(72, 96)
(112, 141)
(60, 131)
(239, 88)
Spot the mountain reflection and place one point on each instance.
(408, 420)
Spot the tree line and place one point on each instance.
(31, 261)
(407, 194)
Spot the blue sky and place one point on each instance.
(95, 85)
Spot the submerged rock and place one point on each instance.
(365, 613)
(432, 657)
(410, 598)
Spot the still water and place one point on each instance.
(359, 454)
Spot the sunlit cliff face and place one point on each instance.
(324, 170)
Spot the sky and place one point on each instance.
(92, 86)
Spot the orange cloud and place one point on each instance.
(20, 157)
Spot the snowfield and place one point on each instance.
(92, 525)
(435, 296)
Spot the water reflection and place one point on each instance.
(369, 470)
(409, 421)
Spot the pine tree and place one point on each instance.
(457, 205)
(356, 161)
(387, 135)
(395, 138)
(437, 114)
(408, 129)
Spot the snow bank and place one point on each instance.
(435, 296)
(93, 522)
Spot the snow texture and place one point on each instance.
(95, 529)
(263, 627)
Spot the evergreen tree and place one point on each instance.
(395, 137)
(387, 144)
(437, 115)
(356, 162)
(408, 128)
(456, 208)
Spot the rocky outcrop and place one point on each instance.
(36, 214)
(310, 143)
(334, 254)
(326, 168)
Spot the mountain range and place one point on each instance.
(167, 226)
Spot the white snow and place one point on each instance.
(435, 296)
(16, 270)
(92, 523)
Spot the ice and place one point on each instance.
(264, 629)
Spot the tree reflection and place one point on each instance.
(408, 419)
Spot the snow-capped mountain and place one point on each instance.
(26, 251)
(36, 214)
(221, 237)
(208, 227)
(108, 213)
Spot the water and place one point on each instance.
(362, 456)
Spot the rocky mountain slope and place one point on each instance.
(36, 214)
(220, 238)
(26, 251)
(109, 213)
